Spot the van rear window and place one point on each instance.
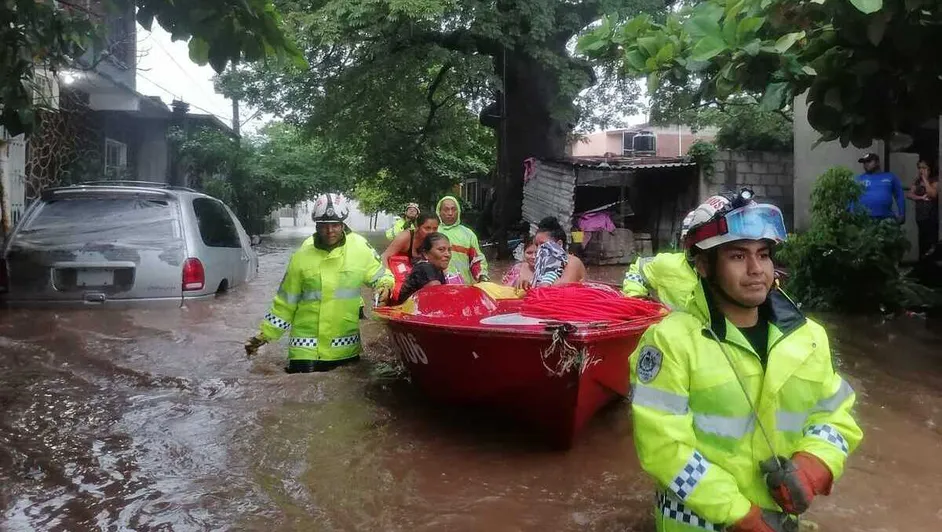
(78, 223)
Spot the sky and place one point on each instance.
(164, 69)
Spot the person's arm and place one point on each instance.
(900, 198)
(932, 189)
(477, 258)
(635, 284)
(399, 246)
(830, 432)
(574, 271)
(377, 276)
(280, 316)
(664, 435)
(912, 195)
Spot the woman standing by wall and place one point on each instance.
(925, 194)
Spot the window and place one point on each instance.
(216, 226)
(116, 157)
(627, 143)
(470, 190)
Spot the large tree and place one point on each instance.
(867, 65)
(39, 37)
(394, 78)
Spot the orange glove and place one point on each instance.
(795, 484)
(759, 520)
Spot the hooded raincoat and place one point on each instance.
(319, 300)
(666, 277)
(467, 258)
(696, 433)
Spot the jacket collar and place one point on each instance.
(778, 309)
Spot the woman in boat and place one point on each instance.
(408, 242)
(429, 270)
(523, 269)
(554, 265)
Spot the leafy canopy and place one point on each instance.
(863, 63)
(40, 37)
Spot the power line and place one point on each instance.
(174, 95)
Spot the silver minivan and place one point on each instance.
(124, 244)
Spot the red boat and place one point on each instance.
(462, 346)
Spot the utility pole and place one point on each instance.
(235, 118)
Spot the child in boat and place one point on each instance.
(429, 268)
(523, 269)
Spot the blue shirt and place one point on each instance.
(879, 190)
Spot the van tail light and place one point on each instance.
(194, 277)
(4, 277)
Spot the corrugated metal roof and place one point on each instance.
(627, 163)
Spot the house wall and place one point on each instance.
(550, 192)
(668, 143)
(771, 176)
(153, 152)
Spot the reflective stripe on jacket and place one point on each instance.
(467, 258)
(694, 430)
(667, 277)
(319, 300)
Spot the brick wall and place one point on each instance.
(770, 175)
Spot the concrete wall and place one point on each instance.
(811, 161)
(769, 175)
(153, 153)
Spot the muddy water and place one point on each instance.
(154, 420)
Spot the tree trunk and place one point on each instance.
(537, 121)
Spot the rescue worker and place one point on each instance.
(319, 297)
(467, 259)
(666, 277)
(723, 460)
(401, 223)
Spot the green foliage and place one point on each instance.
(260, 174)
(704, 153)
(41, 37)
(847, 261)
(862, 62)
(746, 127)
(395, 88)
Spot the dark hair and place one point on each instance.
(927, 162)
(424, 217)
(430, 240)
(551, 225)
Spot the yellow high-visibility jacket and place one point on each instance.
(467, 257)
(666, 277)
(319, 300)
(694, 430)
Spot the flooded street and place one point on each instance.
(155, 420)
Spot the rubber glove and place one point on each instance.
(253, 343)
(759, 520)
(795, 483)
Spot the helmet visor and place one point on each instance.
(756, 222)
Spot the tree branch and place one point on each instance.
(463, 41)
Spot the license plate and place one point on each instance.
(94, 277)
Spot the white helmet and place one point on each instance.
(330, 208)
(730, 217)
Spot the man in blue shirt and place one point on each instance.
(880, 189)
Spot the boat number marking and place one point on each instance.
(410, 349)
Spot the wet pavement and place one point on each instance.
(155, 420)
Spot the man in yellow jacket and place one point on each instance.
(738, 413)
(467, 259)
(319, 297)
(666, 277)
(402, 223)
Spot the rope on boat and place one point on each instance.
(569, 356)
(587, 303)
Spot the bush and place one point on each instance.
(846, 260)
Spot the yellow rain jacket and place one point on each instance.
(694, 429)
(666, 277)
(398, 226)
(467, 259)
(319, 300)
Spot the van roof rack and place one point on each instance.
(129, 183)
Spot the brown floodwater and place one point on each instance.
(155, 420)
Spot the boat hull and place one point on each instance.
(549, 376)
